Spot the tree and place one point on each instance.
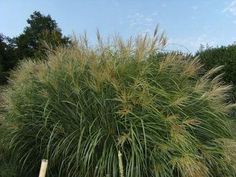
(224, 55)
(1, 57)
(7, 57)
(2, 51)
(41, 29)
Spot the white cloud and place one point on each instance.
(231, 8)
(115, 3)
(195, 8)
(190, 44)
(163, 5)
(142, 22)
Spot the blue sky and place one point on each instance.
(187, 23)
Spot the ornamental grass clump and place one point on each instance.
(119, 110)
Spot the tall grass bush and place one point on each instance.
(117, 109)
(7, 166)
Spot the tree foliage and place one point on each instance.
(226, 56)
(2, 57)
(7, 57)
(41, 29)
(42, 32)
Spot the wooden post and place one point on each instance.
(43, 168)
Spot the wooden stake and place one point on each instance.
(43, 168)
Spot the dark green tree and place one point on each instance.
(224, 55)
(41, 30)
(2, 51)
(7, 57)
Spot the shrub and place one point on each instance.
(119, 110)
(7, 167)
